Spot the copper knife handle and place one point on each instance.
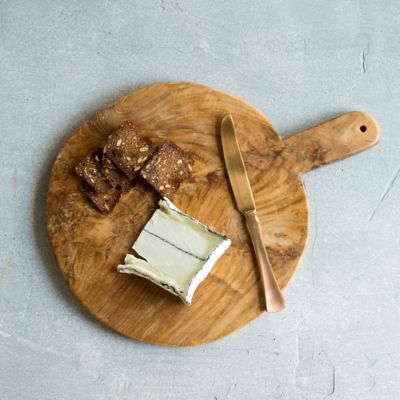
(274, 300)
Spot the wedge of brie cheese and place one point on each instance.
(177, 251)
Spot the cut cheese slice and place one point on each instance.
(177, 251)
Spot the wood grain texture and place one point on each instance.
(332, 141)
(88, 246)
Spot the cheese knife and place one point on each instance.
(243, 195)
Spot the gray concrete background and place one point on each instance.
(298, 61)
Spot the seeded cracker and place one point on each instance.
(127, 149)
(115, 177)
(90, 170)
(104, 202)
(169, 166)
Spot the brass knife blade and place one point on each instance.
(235, 166)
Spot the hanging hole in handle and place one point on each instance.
(363, 128)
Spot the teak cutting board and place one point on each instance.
(88, 246)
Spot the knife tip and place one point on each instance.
(227, 118)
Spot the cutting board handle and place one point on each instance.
(332, 141)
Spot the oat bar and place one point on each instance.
(169, 166)
(127, 149)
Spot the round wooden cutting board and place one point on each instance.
(88, 246)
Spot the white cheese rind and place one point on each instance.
(178, 251)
